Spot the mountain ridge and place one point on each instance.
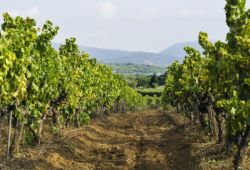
(162, 58)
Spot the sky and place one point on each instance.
(135, 25)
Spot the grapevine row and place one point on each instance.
(213, 88)
(40, 83)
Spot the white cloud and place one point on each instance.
(107, 9)
(187, 13)
(31, 12)
(149, 14)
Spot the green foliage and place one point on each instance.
(145, 81)
(84, 118)
(55, 130)
(149, 100)
(150, 91)
(221, 75)
(39, 80)
(134, 69)
(28, 138)
(153, 81)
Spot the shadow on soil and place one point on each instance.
(178, 151)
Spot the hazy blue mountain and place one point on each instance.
(104, 55)
(163, 58)
(138, 58)
(177, 50)
(101, 54)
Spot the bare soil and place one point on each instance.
(143, 140)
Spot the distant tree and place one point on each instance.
(153, 81)
(161, 79)
(143, 81)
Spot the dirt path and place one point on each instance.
(142, 140)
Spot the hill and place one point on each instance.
(163, 58)
(178, 51)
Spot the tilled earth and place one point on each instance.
(144, 140)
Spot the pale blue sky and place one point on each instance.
(144, 25)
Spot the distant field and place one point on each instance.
(136, 69)
(151, 91)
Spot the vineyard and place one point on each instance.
(213, 88)
(62, 109)
(39, 83)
